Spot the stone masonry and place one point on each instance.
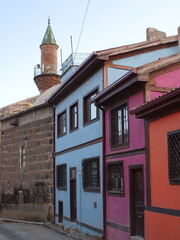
(26, 169)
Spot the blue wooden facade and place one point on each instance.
(72, 149)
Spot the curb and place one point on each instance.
(21, 221)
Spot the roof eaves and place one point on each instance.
(146, 109)
(114, 87)
(158, 64)
(137, 46)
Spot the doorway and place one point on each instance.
(73, 194)
(60, 211)
(137, 200)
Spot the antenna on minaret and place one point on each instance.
(48, 20)
(61, 57)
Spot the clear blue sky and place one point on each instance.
(109, 23)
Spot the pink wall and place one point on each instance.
(170, 79)
(154, 94)
(116, 234)
(117, 208)
(136, 126)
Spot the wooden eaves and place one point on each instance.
(121, 85)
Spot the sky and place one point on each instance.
(108, 24)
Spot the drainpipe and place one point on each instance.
(80, 187)
(54, 163)
(103, 170)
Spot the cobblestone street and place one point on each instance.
(24, 231)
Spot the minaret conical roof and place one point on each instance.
(49, 36)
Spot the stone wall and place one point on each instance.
(26, 183)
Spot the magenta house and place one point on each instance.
(126, 179)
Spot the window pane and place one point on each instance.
(119, 126)
(125, 124)
(93, 108)
(74, 116)
(62, 128)
(119, 122)
(90, 110)
(115, 178)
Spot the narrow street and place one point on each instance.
(23, 231)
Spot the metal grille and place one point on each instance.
(115, 178)
(174, 156)
(91, 174)
(73, 59)
(61, 177)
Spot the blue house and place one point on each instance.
(78, 150)
(79, 139)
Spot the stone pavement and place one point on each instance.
(21, 230)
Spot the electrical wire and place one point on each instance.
(82, 28)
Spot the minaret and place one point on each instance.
(45, 75)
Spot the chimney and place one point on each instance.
(154, 34)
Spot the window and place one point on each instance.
(62, 125)
(74, 117)
(119, 126)
(115, 181)
(61, 175)
(90, 176)
(22, 157)
(90, 110)
(174, 156)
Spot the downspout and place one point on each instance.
(54, 165)
(103, 170)
(148, 176)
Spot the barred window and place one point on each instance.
(174, 156)
(61, 176)
(119, 126)
(115, 178)
(91, 181)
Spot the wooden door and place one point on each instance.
(60, 211)
(137, 201)
(73, 193)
